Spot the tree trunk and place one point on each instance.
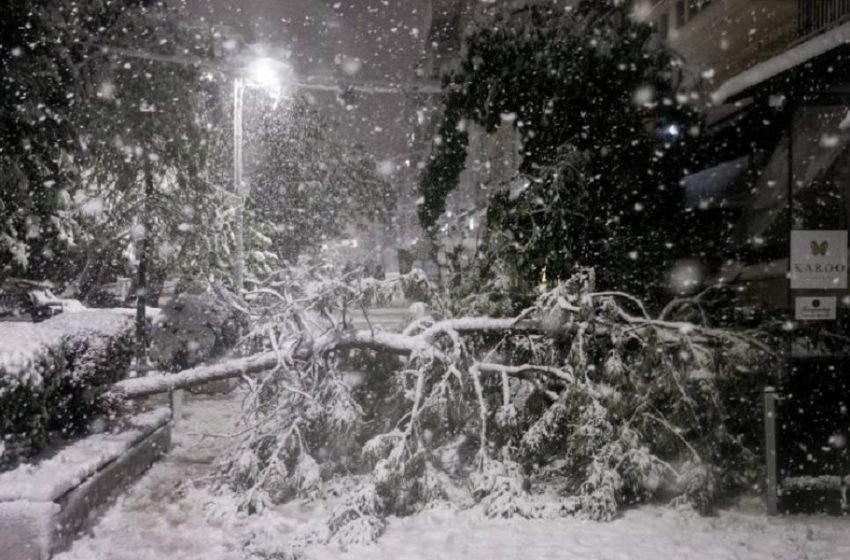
(142, 278)
(391, 343)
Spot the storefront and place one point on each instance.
(800, 200)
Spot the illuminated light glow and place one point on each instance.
(642, 11)
(268, 73)
(644, 95)
(686, 277)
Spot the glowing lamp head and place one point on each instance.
(268, 73)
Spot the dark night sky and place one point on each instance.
(388, 36)
(383, 39)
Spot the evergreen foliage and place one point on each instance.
(88, 100)
(57, 394)
(194, 328)
(593, 96)
(581, 404)
(307, 184)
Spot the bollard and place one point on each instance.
(176, 398)
(770, 399)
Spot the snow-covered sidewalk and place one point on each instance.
(171, 514)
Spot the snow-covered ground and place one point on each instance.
(171, 514)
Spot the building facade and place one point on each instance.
(720, 38)
(771, 153)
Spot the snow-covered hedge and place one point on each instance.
(51, 373)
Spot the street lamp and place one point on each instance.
(271, 75)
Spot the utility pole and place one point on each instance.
(238, 190)
(345, 85)
(142, 278)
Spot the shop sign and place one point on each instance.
(818, 259)
(815, 308)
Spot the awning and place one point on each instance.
(781, 63)
(718, 186)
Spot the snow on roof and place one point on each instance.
(22, 343)
(783, 62)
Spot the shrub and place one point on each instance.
(52, 375)
(193, 329)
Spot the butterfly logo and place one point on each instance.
(819, 248)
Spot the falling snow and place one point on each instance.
(430, 278)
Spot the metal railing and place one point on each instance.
(818, 15)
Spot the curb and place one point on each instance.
(35, 530)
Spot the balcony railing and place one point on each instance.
(818, 15)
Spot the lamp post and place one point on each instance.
(271, 75)
(238, 190)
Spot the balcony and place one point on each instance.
(818, 15)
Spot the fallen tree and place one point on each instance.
(578, 405)
(333, 341)
(158, 382)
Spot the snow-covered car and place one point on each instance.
(24, 300)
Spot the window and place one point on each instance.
(820, 167)
(664, 26)
(696, 6)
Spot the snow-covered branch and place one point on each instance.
(366, 340)
(332, 341)
(527, 371)
(477, 405)
(162, 382)
(480, 325)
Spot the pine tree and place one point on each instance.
(307, 184)
(593, 96)
(41, 78)
(88, 104)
